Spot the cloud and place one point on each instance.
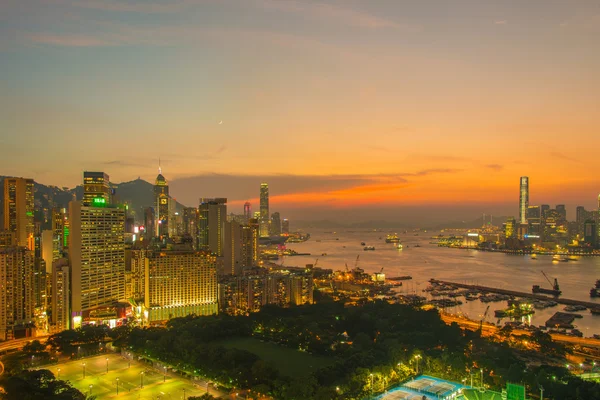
(70, 40)
(501, 22)
(329, 12)
(145, 6)
(125, 163)
(496, 167)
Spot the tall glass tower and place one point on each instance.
(524, 200)
(264, 210)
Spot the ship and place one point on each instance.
(594, 292)
(367, 248)
(555, 291)
(362, 243)
(392, 238)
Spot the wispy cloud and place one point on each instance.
(71, 40)
(144, 6)
(329, 12)
(501, 22)
(495, 167)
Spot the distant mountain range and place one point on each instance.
(138, 194)
(382, 224)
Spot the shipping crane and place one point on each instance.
(553, 285)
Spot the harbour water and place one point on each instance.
(517, 272)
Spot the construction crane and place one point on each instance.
(347, 269)
(316, 262)
(356, 262)
(483, 318)
(553, 285)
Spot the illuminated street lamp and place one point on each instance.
(418, 357)
(91, 386)
(165, 376)
(83, 365)
(107, 365)
(142, 380)
(117, 386)
(481, 370)
(371, 375)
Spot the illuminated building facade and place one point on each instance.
(17, 298)
(590, 233)
(96, 185)
(275, 228)
(61, 301)
(161, 204)
(180, 283)
(523, 199)
(264, 210)
(96, 256)
(212, 215)
(534, 219)
(510, 228)
(18, 210)
(136, 266)
(190, 223)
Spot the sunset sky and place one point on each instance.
(340, 105)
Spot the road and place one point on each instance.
(16, 344)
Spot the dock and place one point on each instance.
(529, 295)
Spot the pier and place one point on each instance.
(515, 293)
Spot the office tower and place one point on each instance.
(96, 188)
(18, 210)
(96, 256)
(250, 244)
(562, 210)
(211, 225)
(275, 229)
(544, 209)
(247, 212)
(161, 204)
(264, 210)
(590, 232)
(285, 226)
(17, 299)
(180, 283)
(534, 220)
(510, 228)
(149, 220)
(190, 222)
(61, 295)
(523, 199)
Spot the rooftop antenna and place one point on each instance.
(159, 168)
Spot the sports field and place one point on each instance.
(135, 380)
(288, 361)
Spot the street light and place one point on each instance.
(58, 373)
(183, 394)
(91, 386)
(371, 382)
(83, 365)
(107, 365)
(418, 357)
(142, 380)
(165, 377)
(481, 377)
(117, 386)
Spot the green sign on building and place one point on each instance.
(515, 392)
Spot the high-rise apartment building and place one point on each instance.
(161, 204)
(264, 210)
(275, 228)
(61, 295)
(96, 256)
(190, 223)
(562, 210)
(180, 283)
(212, 215)
(523, 199)
(510, 228)
(136, 266)
(17, 298)
(18, 210)
(96, 188)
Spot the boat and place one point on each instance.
(417, 245)
(575, 307)
(367, 248)
(392, 239)
(400, 278)
(594, 292)
(534, 256)
(399, 246)
(595, 311)
(362, 243)
(538, 289)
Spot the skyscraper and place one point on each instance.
(285, 226)
(18, 210)
(211, 225)
(264, 210)
(275, 229)
(247, 212)
(96, 188)
(562, 210)
(60, 295)
(161, 204)
(523, 199)
(97, 257)
(17, 299)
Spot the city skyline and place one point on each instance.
(373, 104)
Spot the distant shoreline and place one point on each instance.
(525, 252)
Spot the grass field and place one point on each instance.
(130, 379)
(287, 361)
